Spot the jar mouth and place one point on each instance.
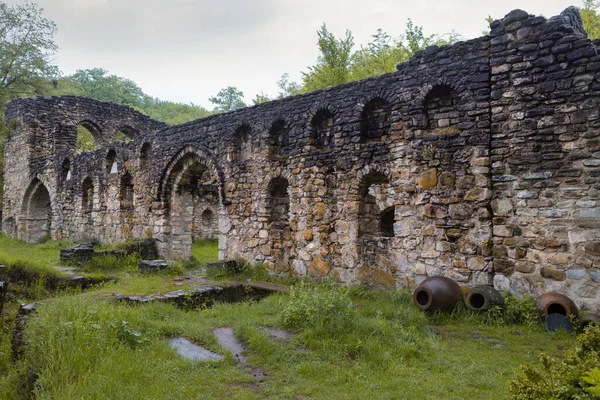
(423, 298)
(556, 308)
(476, 301)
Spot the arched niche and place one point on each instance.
(36, 213)
(126, 193)
(279, 138)
(242, 143)
(145, 155)
(440, 109)
(375, 119)
(321, 129)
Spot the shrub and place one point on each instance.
(564, 379)
(325, 308)
(516, 311)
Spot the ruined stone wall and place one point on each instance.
(475, 161)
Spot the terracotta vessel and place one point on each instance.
(437, 293)
(589, 318)
(556, 303)
(482, 298)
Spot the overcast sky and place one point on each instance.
(187, 50)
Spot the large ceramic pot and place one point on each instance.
(556, 303)
(437, 293)
(589, 319)
(482, 298)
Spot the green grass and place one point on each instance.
(205, 251)
(79, 349)
(41, 256)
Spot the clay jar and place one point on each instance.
(589, 319)
(482, 298)
(556, 303)
(437, 293)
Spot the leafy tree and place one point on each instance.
(590, 18)
(228, 99)
(333, 62)
(287, 88)
(379, 57)
(26, 49)
(96, 83)
(260, 98)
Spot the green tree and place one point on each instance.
(590, 18)
(380, 56)
(286, 87)
(26, 49)
(260, 98)
(333, 62)
(228, 99)
(98, 84)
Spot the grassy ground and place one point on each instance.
(348, 343)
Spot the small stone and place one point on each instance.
(592, 248)
(551, 273)
(503, 230)
(446, 180)
(560, 258)
(502, 207)
(577, 274)
(307, 235)
(428, 179)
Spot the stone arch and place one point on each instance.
(375, 119)
(321, 128)
(279, 137)
(125, 134)
(88, 136)
(190, 185)
(36, 213)
(431, 102)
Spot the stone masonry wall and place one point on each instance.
(478, 161)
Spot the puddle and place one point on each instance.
(281, 334)
(193, 352)
(227, 339)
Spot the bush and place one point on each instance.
(325, 308)
(516, 311)
(564, 379)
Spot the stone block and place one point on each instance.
(428, 179)
(554, 274)
(503, 230)
(77, 253)
(502, 207)
(152, 266)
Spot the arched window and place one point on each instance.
(85, 136)
(111, 163)
(321, 128)
(125, 134)
(126, 192)
(375, 119)
(440, 108)
(278, 137)
(87, 196)
(65, 171)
